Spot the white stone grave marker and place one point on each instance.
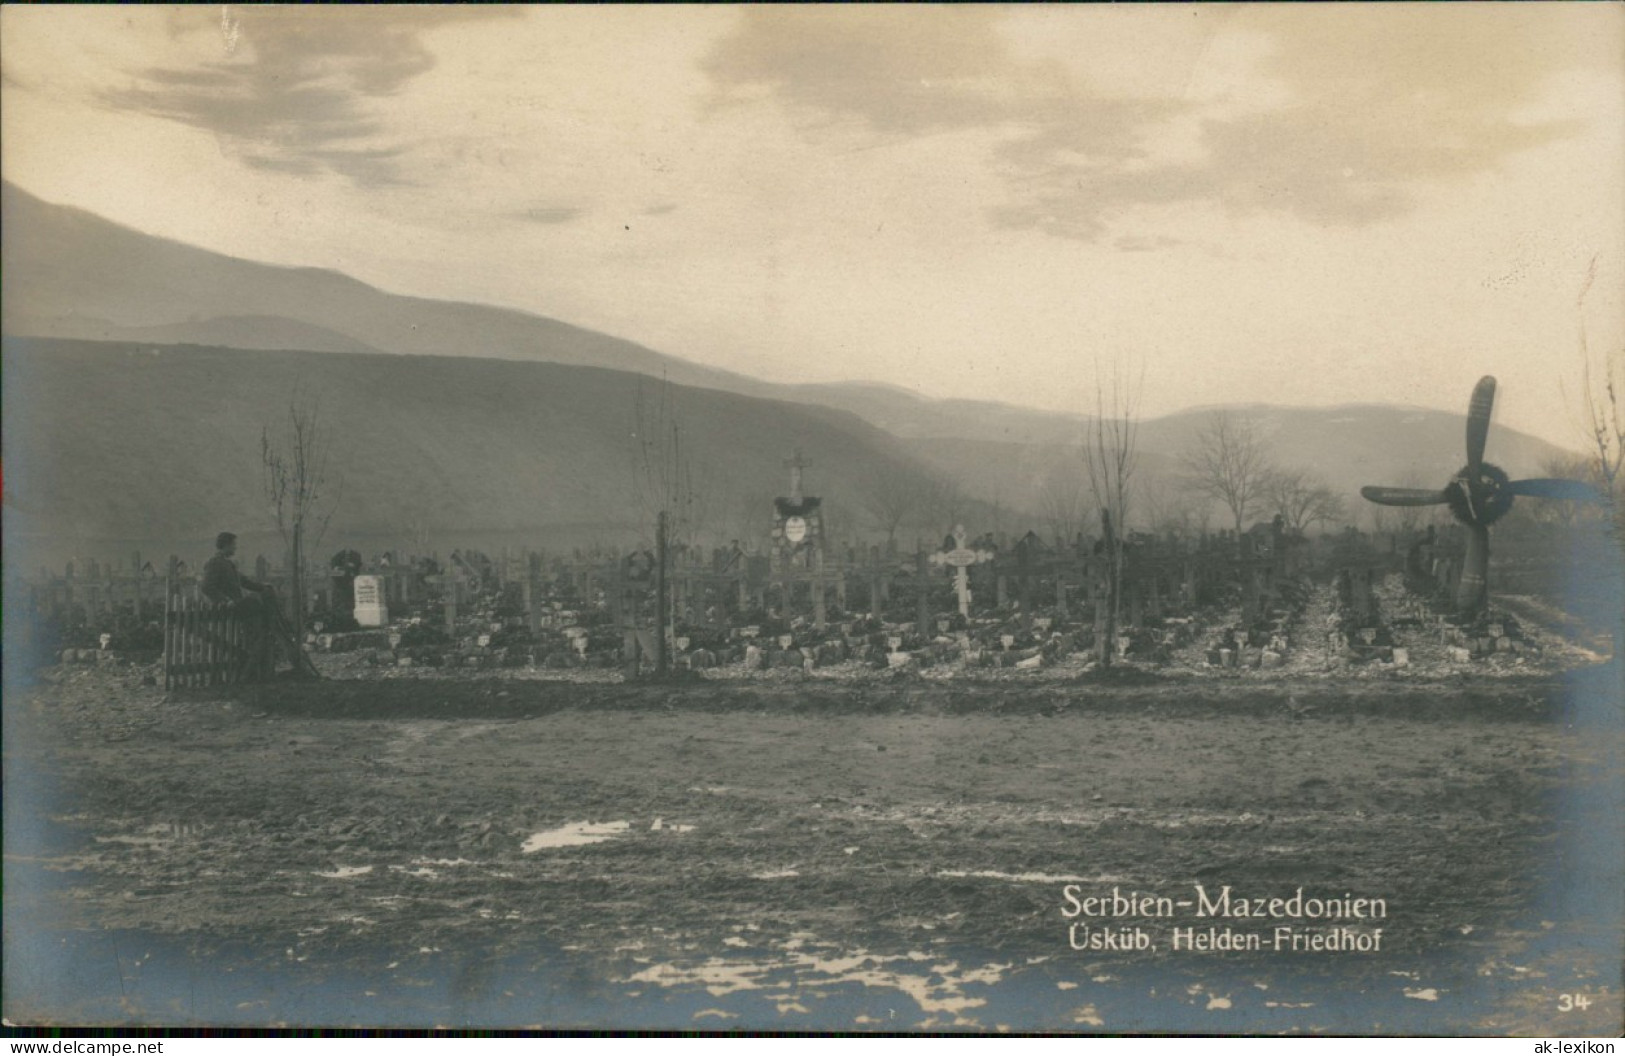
(370, 610)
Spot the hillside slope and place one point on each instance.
(108, 441)
(70, 274)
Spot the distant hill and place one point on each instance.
(1347, 446)
(69, 273)
(112, 442)
(912, 416)
(464, 417)
(126, 441)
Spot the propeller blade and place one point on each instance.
(1472, 592)
(1403, 496)
(1555, 488)
(1478, 422)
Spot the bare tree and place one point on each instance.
(1384, 519)
(947, 504)
(1171, 508)
(997, 512)
(1109, 457)
(663, 475)
(1063, 501)
(892, 493)
(1302, 499)
(1603, 390)
(1605, 421)
(1228, 461)
(294, 460)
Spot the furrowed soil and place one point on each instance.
(888, 855)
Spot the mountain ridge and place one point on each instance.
(69, 273)
(75, 282)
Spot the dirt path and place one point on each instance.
(731, 849)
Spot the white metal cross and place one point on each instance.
(960, 558)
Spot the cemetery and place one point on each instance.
(761, 775)
(1216, 606)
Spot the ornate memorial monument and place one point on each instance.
(1479, 495)
(797, 522)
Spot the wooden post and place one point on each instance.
(169, 624)
(922, 576)
(817, 585)
(662, 612)
(1024, 567)
(298, 589)
(1106, 605)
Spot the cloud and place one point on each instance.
(1144, 243)
(892, 69)
(556, 214)
(300, 90)
(1340, 119)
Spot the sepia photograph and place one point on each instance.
(849, 519)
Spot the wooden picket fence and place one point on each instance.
(207, 644)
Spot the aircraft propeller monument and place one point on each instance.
(1479, 495)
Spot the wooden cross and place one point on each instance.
(795, 466)
(960, 558)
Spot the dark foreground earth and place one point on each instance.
(891, 855)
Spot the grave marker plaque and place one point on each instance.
(370, 610)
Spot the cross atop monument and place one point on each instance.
(795, 466)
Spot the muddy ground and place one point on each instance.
(468, 851)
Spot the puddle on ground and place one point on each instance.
(935, 985)
(576, 834)
(797, 981)
(1029, 878)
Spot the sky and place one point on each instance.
(1299, 204)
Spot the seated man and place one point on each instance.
(221, 580)
(224, 585)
